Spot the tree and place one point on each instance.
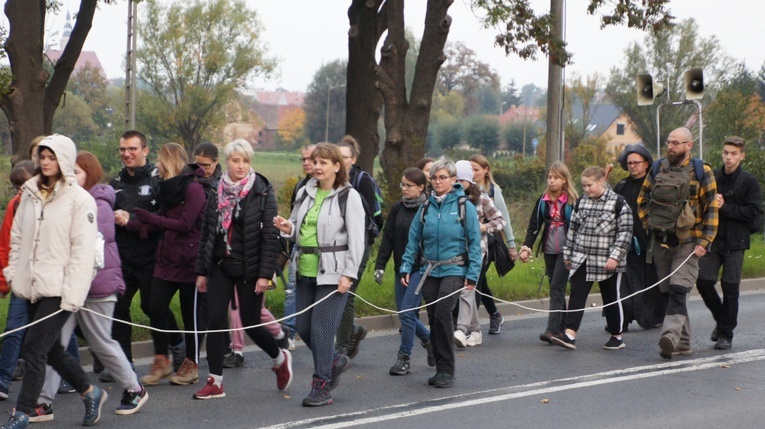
(579, 106)
(482, 132)
(193, 56)
(89, 84)
(463, 72)
(515, 132)
(328, 82)
(30, 94)
(448, 134)
(291, 129)
(666, 55)
(74, 119)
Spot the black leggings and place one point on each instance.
(486, 296)
(162, 292)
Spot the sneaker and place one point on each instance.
(284, 342)
(431, 356)
(319, 395)
(442, 380)
(715, 335)
(460, 339)
(723, 344)
(547, 335)
(4, 391)
(65, 387)
(106, 377)
(160, 369)
(474, 339)
(41, 413)
(132, 402)
(18, 420)
(401, 367)
(564, 341)
(614, 344)
(18, 371)
(666, 346)
(94, 401)
(283, 371)
(187, 374)
(495, 324)
(357, 334)
(339, 366)
(210, 391)
(291, 344)
(179, 354)
(233, 360)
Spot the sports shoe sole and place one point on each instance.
(104, 397)
(41, 419)
(317, 404)
(460, 342)
(619, 347)
(667, 348)
(179, 382)
(682, 352)
(499, 328)
(138, 406)
(220, 395)
(558, 342)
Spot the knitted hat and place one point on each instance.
(464, 171)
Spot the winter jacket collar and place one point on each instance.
(173, 190)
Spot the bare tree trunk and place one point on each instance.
(364, 100)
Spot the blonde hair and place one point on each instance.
(594, 172)
(559, 169)
(173, 157)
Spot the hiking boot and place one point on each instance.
(429, 349)
(564, 341)
(358, 333)
(460, 339)
(283, 371)
(187, 374)
(666, 346)
(94, 401)
(18, 371)
(547, 335)
(401, 367)
(210, 391)
(64, 387)
(160, 369)
(41, 413)
(495, 323)
(319, 395)
(132, 402)
(284, 342)
(18, 420)
(723, 344)
(682, 350)
(179, 354)
(233, 360)
(339, 366)
(442, 380)
(474, 339)
(614, 344)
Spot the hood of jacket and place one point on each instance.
(66, 154)
(103, 192)
(173, 190)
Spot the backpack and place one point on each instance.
(754, 225)
(372, 228)
(669, 193)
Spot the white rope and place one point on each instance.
(30, 324)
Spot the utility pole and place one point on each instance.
(130, 65)
(555, 92)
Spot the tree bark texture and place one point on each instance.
(34, 94)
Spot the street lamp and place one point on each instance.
(326, 126)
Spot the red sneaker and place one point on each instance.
(210, 391)
(284, 371)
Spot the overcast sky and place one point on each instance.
(304, 34)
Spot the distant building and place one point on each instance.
(519, 114)
(607, 121)
(271, 107)
(86, 57)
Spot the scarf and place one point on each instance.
(230, 194)
(411, 203)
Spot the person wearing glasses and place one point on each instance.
(672, 248)
(647, 309)
(445, 240)
(394, 240)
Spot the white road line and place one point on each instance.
(531, 389)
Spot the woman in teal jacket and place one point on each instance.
(446, 236)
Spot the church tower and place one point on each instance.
(67, 32)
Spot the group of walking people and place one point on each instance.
(72, 248)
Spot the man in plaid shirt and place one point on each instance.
(670, 252)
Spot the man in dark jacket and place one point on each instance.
(136, 187)
(738, 197)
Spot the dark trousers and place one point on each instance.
(345, 329)
(135, 280)
(486, 296)
(42, 345)
(557, 276)
(220, 291)
(609, 290)
(440, 318)
(725, 309)
(162, 292)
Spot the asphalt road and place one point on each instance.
(513, 380)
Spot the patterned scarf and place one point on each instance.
(230, 194)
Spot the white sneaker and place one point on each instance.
(460, 339)
(474, 339)
(291, 344)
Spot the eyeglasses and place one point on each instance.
(676, 143)
(633, 163)
(304, 159)
(132, 149)
(406, 185)
(439, 178)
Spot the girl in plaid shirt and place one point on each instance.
(598, 239)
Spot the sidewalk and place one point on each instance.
(144, 350)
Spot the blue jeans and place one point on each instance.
(289, 295)
(9, 354)
(411, 325)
